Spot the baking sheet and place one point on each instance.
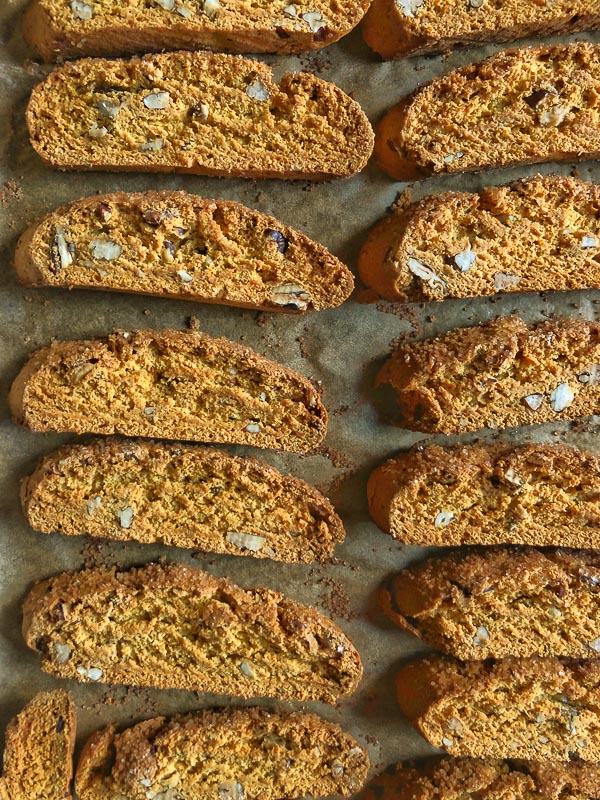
(342, 348)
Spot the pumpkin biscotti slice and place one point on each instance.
(175, 244)
(200, 113)
(183, 496)
(169, 384)
(535, 494)
(38, 754)
(230, 754)
(400, 28)
(537, 234)
(174, 627)
(499, 602)
(522, 106)
(58, 29)
(540, 709)
(499, 374)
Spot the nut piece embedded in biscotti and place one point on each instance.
(460, 113)
(490, 376)
(168, 384)
(214, 636)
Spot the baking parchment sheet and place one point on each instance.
(342, 349)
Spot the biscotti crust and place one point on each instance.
(320, 758)
(213, 636)
(537, 234)
(446, 126)
(154, 114)
(141, 383)
(181, 496)
(535, 494)
(500, 602)
(500, 374)
(539, 709)
(396, 30)
(55, 31)
(178, 245)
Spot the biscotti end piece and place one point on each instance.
(171, 384)
(178, 245)
(537, 234)
(500, 602)
(182, 496)
(546, 112)
(293, 755)
(215, 636)
(500, 374)
(55, 29)
(397, 29)
(199, 113)
(535, 494)
(539, 709)
(38, 755)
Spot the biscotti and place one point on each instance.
(496, 375)
(178, 245)
(534, 235)
(174, 627)
(169, 384)
(540, 709)
(535, 494)
(199, 113)
(499, 602)
(38, 754)
(410, 27)
(86, 28)
(522, 106)
(457, 778)
(230, 754)
(180, 495)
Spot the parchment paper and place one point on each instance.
(342, 348)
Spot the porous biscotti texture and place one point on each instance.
(38, 754)
(232, 754)
(540, 709)
(470, 779)
(499, 602)
(56, 29)
(170, 384)
(401, 28)
(534, 235)
(180, 495)
(522, 106)
(174, 627)
(499, 374)
(535, 494)
(175, 244)
(201, 113)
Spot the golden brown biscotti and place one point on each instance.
(400, 28)
(499, 374)
(176, 244)
(539, 709)
(230, 754)
(38, 755)
(174, 627)
(460, 778)
(180, 495)
(535, 494)
(533, 235)
(199, 113)
(169, 384)
(58, 29)
(499, 602)
(522, 106)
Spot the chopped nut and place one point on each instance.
(589, 241)
(258, 91)
(555, 612)
(169, 251)
(82, 10)
(448, 159)
(231, 791)
(591, 376)
(211, 8)
(409, 7)
(561, 397)
(94, 673)
(200, 110)
(290, 11)
(125, 517)
(93, 504)
(168, 5)
(426, 274)
(60, 254)
(149, 411)
(553, 116)
(279, 239)
(512, 477)
(152, 144)
(465, 260)
(534, 401)
(475, 3)
(247, 670)
(481, 636)
(595, 644)
(447, 742)
(455, 725)
(536, 97)
(62, 652)
(262, 397)
(253, 428)
(246, 541)
(315, 20)
(502, 280)
(97, 131)
(108, 109)
(443, 519)
(103, 212)
(157, 100)
(543, 739)
(337, 769)
(288, 295)
(185, 276)
(186, 13)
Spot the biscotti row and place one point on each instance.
(292, 754)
